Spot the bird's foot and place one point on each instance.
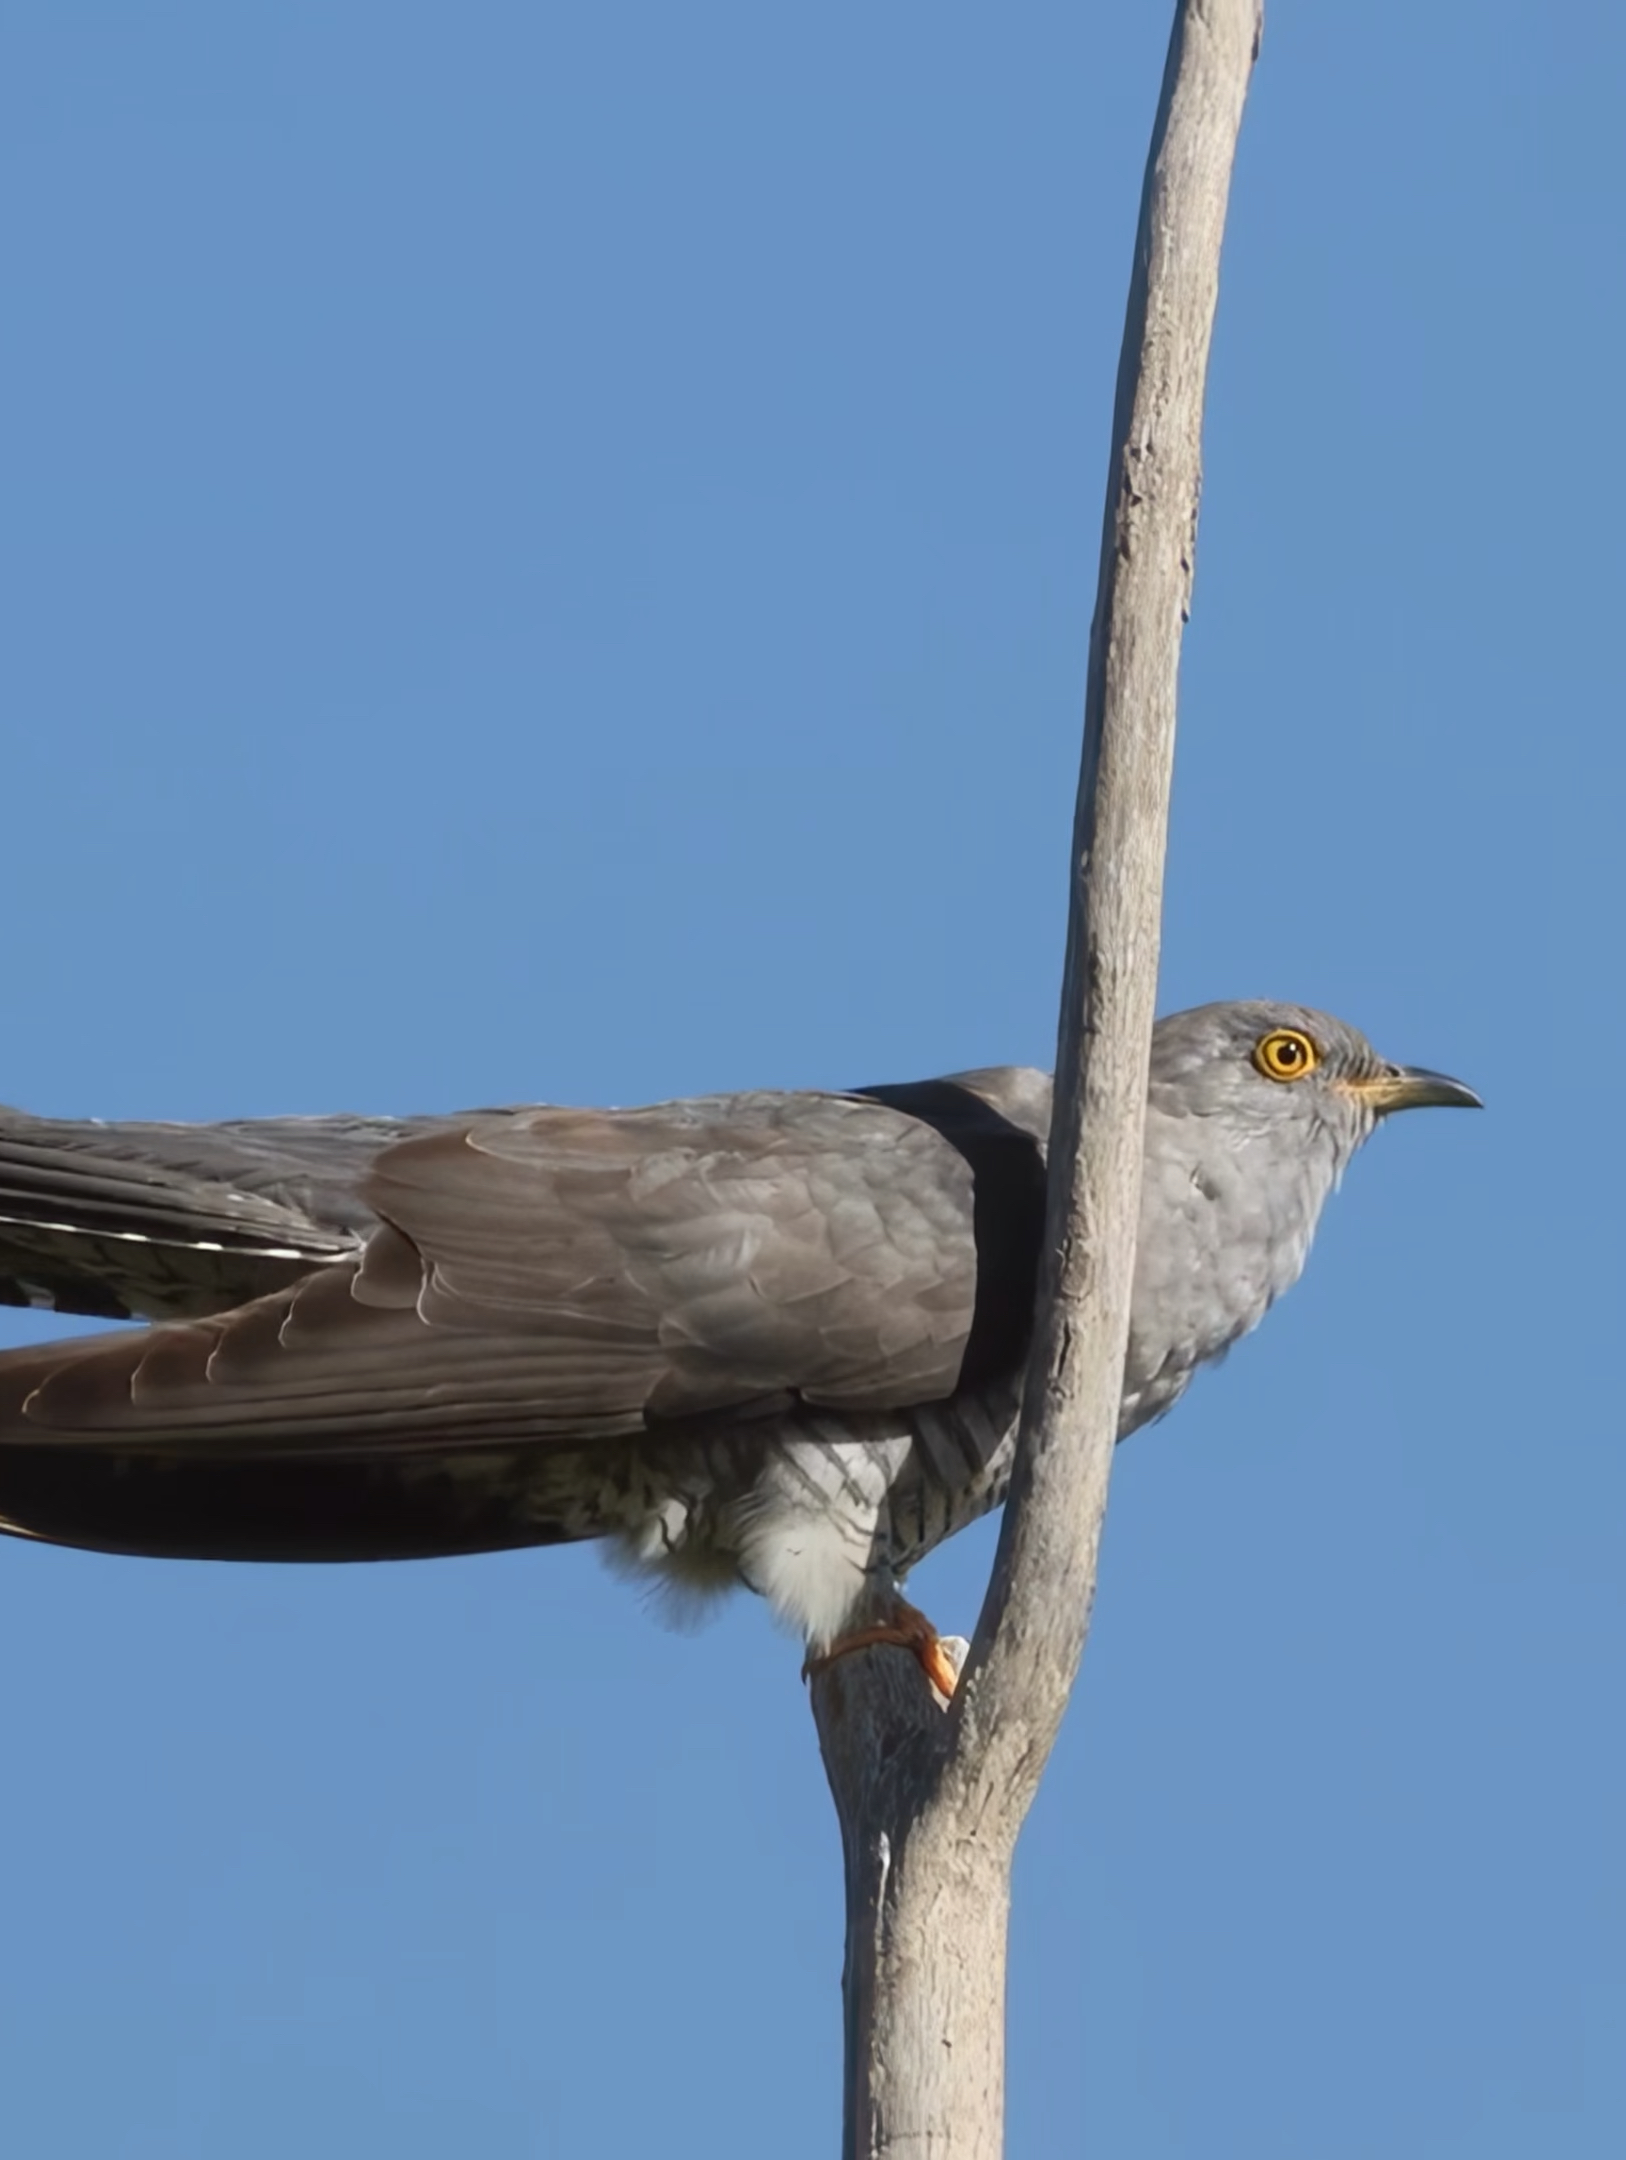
(909, 1630)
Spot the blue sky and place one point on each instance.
(547, 553)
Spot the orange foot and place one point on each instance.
(911, 1631)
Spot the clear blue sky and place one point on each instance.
(546, 553)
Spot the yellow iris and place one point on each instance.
(1285, 1054)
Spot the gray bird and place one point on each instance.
(775, 1339)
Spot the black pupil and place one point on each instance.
(1288, 1052)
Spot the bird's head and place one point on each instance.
(1264, 1066)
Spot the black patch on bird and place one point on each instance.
(1008, 1211)
(45, 1293)
(289, 1508)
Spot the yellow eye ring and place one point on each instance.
(1285, 1054)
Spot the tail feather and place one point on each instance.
(330, 1508)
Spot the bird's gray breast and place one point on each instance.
(1228, 1211)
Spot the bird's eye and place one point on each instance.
(1285, 1054)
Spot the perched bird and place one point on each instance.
(775, 1339)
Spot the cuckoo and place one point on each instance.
(774, 1339)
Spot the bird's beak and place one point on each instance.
(1412, 1087)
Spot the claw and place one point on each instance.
(907, 1630)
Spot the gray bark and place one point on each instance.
(931, 1803)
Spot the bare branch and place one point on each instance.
(931, 1806)
(1031, 1632)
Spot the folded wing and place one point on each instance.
(543, 1278)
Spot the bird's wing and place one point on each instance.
(169, 1221)
(539, 1279)
(560, 1275)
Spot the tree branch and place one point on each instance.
(930, 1806)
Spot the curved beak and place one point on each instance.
(1413, 1087)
